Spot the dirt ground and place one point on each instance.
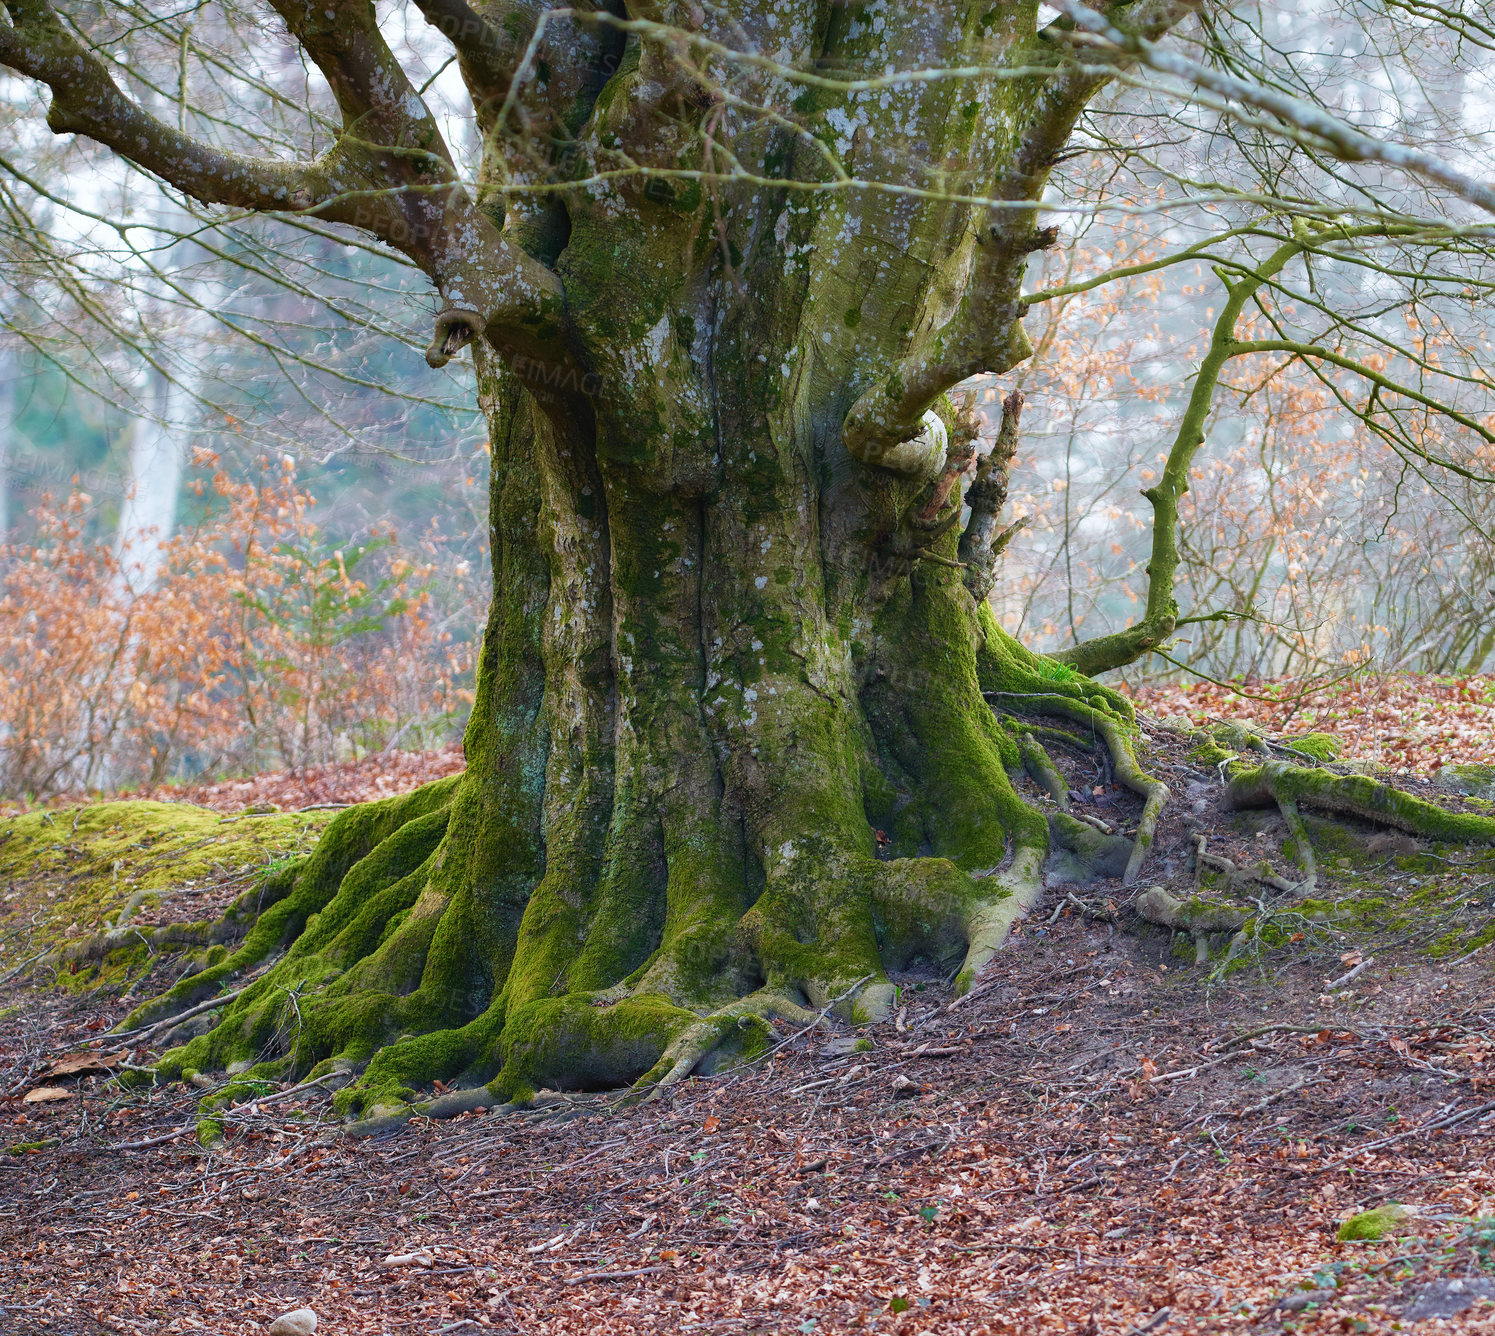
(1101, 1139)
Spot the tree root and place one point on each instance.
(1289, 788)
(1042, 770)
(1196, 916)
(449, 1105)
(743, 1026)
(1203, 918)
(1154, 793)
(1086, 852)
(1234, 876)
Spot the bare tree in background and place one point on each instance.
(734, 753)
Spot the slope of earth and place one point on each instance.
(1406, 721)
(69, 876)
(1085, 1147)
(1104, 1137)
(378, 775)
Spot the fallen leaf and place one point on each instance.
(711, 1124)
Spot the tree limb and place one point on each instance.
(87, 101)
(1337, 137)
(488, 55)
(985, 333)
(1161, 619)
(390, 173)
(981, 543)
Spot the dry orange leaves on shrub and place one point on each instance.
(257, 644)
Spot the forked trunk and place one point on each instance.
(730, 756)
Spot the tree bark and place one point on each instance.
(733, 754)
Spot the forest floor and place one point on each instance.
(1104, 1138)
(1407, 721)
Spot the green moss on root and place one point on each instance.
(1358, 796)
(573, 1043)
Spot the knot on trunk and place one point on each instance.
(456, 327)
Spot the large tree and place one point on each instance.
(734, 753)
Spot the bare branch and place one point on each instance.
(985, 333)
(87, 101)
(389, 174)
(1335, 136)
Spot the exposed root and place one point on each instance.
(449, 1105)
(1290, 787)
(1234, 876)
(385, 841)
(1018, 891)
(1042, 770)
(1204, 918)
(202, 1008)
(1084, 852)
(1154, 793)
(737, 1032)
(1196, 916)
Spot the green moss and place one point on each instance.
(84, 868)
(1380, 1223)
(1237, 737)
(28, 1147)
(1334, 841)
(1320, 746)
(573, 1043)
(1210, 753)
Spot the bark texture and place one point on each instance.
(745, 724)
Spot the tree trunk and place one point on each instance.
(730, 757)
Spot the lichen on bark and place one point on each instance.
(746, 730)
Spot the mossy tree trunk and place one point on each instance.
(733, 753)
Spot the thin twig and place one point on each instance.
(613, 1275)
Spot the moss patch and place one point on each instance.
(1320, 746)
(82, 866)
(1382, 1222)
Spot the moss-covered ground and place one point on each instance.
(68, 874)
